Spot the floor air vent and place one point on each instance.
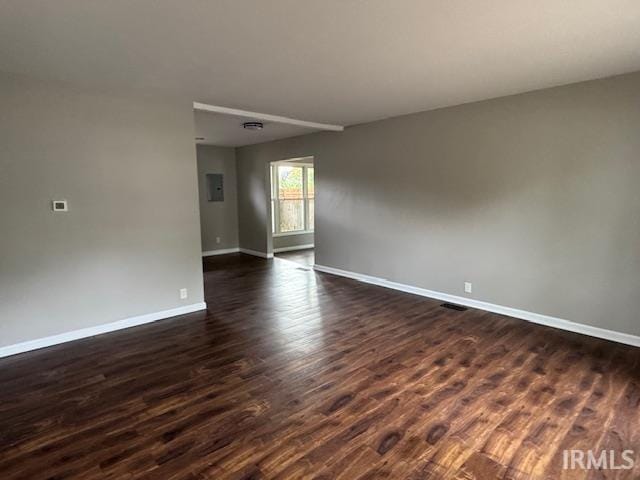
(453, 306)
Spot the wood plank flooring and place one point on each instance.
(293, 374)
(304, 257)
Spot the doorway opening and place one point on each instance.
(293, 209)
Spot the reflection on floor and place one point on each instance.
(293, 374)
(303, 257)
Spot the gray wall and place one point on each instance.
(254, 216)
(218, 219)
(534, 198)
(131, 238)
(285, 241)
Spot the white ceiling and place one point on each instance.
(226, 130)
(333, 61)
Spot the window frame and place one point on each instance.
(275, 206)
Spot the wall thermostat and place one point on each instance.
(60, 206)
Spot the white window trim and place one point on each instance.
(275, 179)
(295, 232)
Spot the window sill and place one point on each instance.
(289, 234)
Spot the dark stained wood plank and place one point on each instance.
(292, 374)
(306, 257)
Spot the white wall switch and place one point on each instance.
(217, 239)
(468, 287)
(59, 206)
(183, 293)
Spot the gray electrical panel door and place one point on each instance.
(215, 187)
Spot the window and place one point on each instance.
(292, 196)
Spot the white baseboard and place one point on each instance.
(98, 329)
(291, 249)
(538, 318)
(222, 251)
(256, 253)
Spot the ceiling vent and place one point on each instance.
(253, 125)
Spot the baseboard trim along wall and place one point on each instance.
(98, 329)
(222, 251)
(291, 249)
(538, 318)
(255, 253)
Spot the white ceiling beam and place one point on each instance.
(205, 107)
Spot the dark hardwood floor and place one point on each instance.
(303, 257)
(293, 374)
